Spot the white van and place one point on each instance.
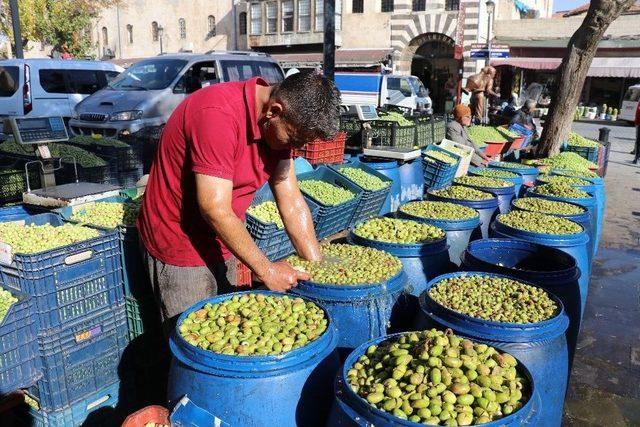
(382, 89)
(630, 104)
(50, 87)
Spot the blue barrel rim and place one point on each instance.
(498, 191)
(590, 199)
(181, 349)
(597, 180)
(467, 254)
(585, 211)
(447, 224)
(590, 188)
(407, 215)
(469, 325)
(492, 203)
(380, 161)
(539, 235)
(336, 292)
(520, 178)
(524, 170)
(364, 406)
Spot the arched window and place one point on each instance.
(105, 36)
(242, 25)
(183, 28)
(130, 33)
(154, 31)
(211, 21)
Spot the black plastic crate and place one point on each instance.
(424, 131)
(391, 134)
(13, 181)
(352, 126)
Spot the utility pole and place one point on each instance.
(17, 33)
(118, 23)
(329, 49)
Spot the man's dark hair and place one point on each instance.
(311, 103)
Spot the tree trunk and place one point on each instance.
(573, 71)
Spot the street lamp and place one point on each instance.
(160, 32)
(491, 6)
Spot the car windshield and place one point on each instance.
(418, 87)
(151, 74)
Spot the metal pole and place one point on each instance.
(17, 33)
(234, 6)
(486, 101)
(118, 23)
(329, 48)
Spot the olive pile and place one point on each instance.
(577, 140)
(349, 265)
(551, 207)
(432, 155)
(495, 173)
(458, 192)
(392, 230)
(483, 134)
(578, 174)
(6, 301)
(31, 239)
(498, 299)
(107, 214)
(483, 181)
(394, 116)
(86, 140)
(83, 157)
(267, 212)
(437, 378)
(539, 223)
(364, 179)
(568, 160)
(324, 192)
(438, 210)
(565, 180)
(560, 190)
(509, 165)
(459, 151)
(254, 325)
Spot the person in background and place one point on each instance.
(457, 132)
(637, 123)
(524, 117)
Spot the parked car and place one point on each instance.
(382, 89)
(140, 101)
(50, 87)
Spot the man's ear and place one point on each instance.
(274, 109)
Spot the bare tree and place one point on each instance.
(573, 71)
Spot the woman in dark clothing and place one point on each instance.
(457, 132)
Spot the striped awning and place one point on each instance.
(600, 67)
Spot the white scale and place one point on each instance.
(39, 132)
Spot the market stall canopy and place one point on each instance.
(344, 58)
(600, 67)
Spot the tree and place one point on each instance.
(573, 70)
(60, 23)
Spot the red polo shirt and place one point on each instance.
(213, 132)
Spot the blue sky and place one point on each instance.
(567, 4)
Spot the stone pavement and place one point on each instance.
(604, 388)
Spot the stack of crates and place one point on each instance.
(438, 173)
(80, 324)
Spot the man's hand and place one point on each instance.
(281, 277)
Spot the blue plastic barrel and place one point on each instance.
(487, 209)
(589, 203)
(504, 194)
(541, 347)
(549, 268)
(576, 245)
(459, 232)
(350, 410)
(411, 180)
(359, 312)
(301, 165)
(291, 389)
(390, 169)
(529, 173)
(518, 181)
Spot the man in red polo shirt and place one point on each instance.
(218, 147)
(637, 123)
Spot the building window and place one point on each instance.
(357, 6)
(386, 6)
(319, 25)
(287, 16)
(272, 17)
(256, 19)
(304, 15)
(154, 31)
(183, 28)
(419, 5)
(242, 25)
(105, 36)
(130, 33)
(211, 24)
(338, 17)
(452, 4)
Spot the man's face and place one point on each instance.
(280, 134)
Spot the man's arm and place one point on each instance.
(294, 211)
(214, 200)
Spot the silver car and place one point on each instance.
(140, 100)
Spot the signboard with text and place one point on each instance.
(481, 51)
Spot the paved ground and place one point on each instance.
(605, 384)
